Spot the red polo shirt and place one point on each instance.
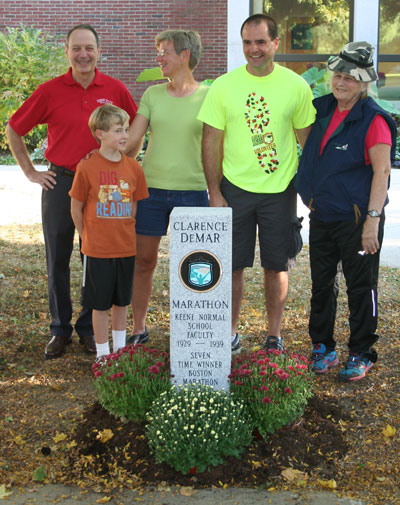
(65, 106)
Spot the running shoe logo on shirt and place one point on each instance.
(257, 120)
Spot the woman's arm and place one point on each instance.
(137, 132)
(379, 155)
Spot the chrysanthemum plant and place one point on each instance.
(275, 385)
(194, 427)
(128, 381)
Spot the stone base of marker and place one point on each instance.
(200, 295)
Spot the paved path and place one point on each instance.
(20, 203)
(68, 495)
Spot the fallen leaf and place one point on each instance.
(105, 499)
(19, 440)
(71, 444)
(3, 492)
(59, 437)
(329, 484)
(39, 474)
(291, 475)
(187, 491)
(105, 435)
(389, 431)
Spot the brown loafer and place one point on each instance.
(56, 346)
(88, 342)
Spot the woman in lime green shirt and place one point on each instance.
(172, 162)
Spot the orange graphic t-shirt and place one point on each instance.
(109, 191)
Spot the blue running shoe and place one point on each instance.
(356, 367)
(322, 359)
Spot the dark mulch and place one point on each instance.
(314, 443)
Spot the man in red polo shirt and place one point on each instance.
(65, 104)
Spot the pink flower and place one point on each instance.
(97, 373)
(284, 376)
(160, 363)
(288, 390)
(266, 399)
(264, 388)
(261, 372)
(272, 365)
(154, 369)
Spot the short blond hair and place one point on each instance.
(183, 39)
(105, 116)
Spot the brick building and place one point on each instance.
(127, 30)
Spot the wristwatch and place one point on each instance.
(373, 213)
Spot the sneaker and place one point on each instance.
(274, 343)
(322, 359)
(236, 347)
(140, 338)
(356, 367)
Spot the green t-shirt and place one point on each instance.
(258, 116)
(173, 156)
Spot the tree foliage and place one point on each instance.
(28, 57)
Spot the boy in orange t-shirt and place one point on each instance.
(104, 198)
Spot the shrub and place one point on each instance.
(29, 57)
(194, 427)
(128, 381)
(275, 385)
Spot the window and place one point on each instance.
(309, 30)
(389, 51)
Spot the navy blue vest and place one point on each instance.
(336, 185)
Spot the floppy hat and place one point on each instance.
(356, 60)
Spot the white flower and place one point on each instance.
(185, 428)
(191, 426)
(202, 409)
(158, 432)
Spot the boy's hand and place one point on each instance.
(89, 154)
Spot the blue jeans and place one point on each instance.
(152, 216)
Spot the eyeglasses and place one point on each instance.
(163, 52)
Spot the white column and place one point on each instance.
(257, 6)
(238, 11)
(366, 23)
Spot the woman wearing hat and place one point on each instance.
(343, 178)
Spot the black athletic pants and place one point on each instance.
(331, 243)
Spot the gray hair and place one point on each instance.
(183, 39)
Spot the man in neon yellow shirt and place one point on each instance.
(257, 110)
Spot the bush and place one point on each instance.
(275, 385)
(128, 381)
(29, 57)
(194, 427)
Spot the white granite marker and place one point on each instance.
(200, 295)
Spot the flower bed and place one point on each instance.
(127, 382)
(195, 427)
(275, 385)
